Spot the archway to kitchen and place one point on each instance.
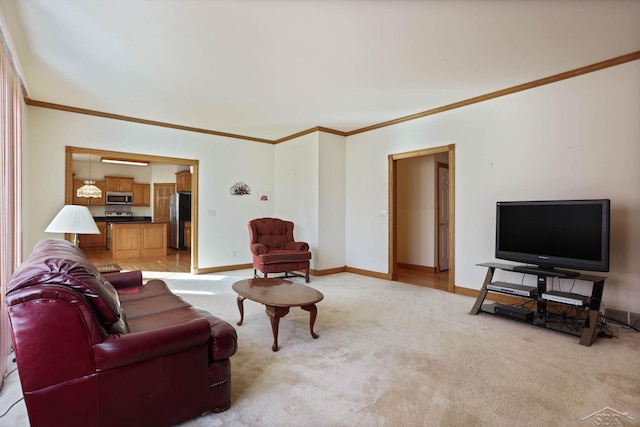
(70, 152)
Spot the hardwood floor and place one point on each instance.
(436, 281)
(180, 262)
(175, 262)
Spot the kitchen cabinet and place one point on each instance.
(88, 201)
(94, 241)
(117, 183)
(154, 240)
(138, 240)
(183, 181)
(141, 195)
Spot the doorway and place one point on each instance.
(193, 164)
(447, 208)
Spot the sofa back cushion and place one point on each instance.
(274, 233)
(58, 262)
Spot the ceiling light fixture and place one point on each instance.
(125, 162)
(89, 189)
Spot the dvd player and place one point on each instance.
(566, 298)
(513, 289)
(514, 312)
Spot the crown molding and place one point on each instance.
(508, 91)
(633, 56)
(308, 131)
(70, 109)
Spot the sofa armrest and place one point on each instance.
(258, 249)
(124, 280)
(126, 349)
(224, 339)
(297, 246)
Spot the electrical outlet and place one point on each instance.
(233, 253)
(212, 212)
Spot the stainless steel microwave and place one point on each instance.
(119, 198)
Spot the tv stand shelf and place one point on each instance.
(542, 317)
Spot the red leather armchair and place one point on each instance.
(274, 249)
(96, 350)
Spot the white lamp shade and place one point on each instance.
(73, 219)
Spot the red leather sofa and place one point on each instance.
(108, 350)
(275, 250)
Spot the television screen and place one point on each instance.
(550, 234)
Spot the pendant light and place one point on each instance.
(89, 189)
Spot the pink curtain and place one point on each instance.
(11, 104)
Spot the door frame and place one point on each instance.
(393, 207)
(437, 210)
(192, 163)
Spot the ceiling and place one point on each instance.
(269, 69)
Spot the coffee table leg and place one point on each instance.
(313, 312)
(275, 313)
(241, 308)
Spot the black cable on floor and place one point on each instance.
(621, 323)
(9, 373)
(12, 405)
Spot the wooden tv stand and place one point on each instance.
(543, 317)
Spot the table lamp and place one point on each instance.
(73, 219)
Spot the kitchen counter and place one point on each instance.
(138, 239)
(139, 222)
(132, 219)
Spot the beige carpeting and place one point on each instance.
(392, 354)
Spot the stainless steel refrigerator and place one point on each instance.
(179, 213)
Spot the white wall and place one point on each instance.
(578, 138)
(223, 162)
(416, 200)
(310, 191)
(140, 174)
(165, 174)
(296, 188)
(331, 220)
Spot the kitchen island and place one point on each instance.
(138, 239)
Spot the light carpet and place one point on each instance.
(392, 354)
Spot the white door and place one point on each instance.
(443, 218)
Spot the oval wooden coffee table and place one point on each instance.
(278, 296)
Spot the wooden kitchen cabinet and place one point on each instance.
(88, 201)
(154, 240)
(138, 240)
(141, 195)
(183, 181)
(125, 240)
(117, 183)
(94, 241)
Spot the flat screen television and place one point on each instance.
(553, 235)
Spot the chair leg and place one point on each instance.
(306, 276)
